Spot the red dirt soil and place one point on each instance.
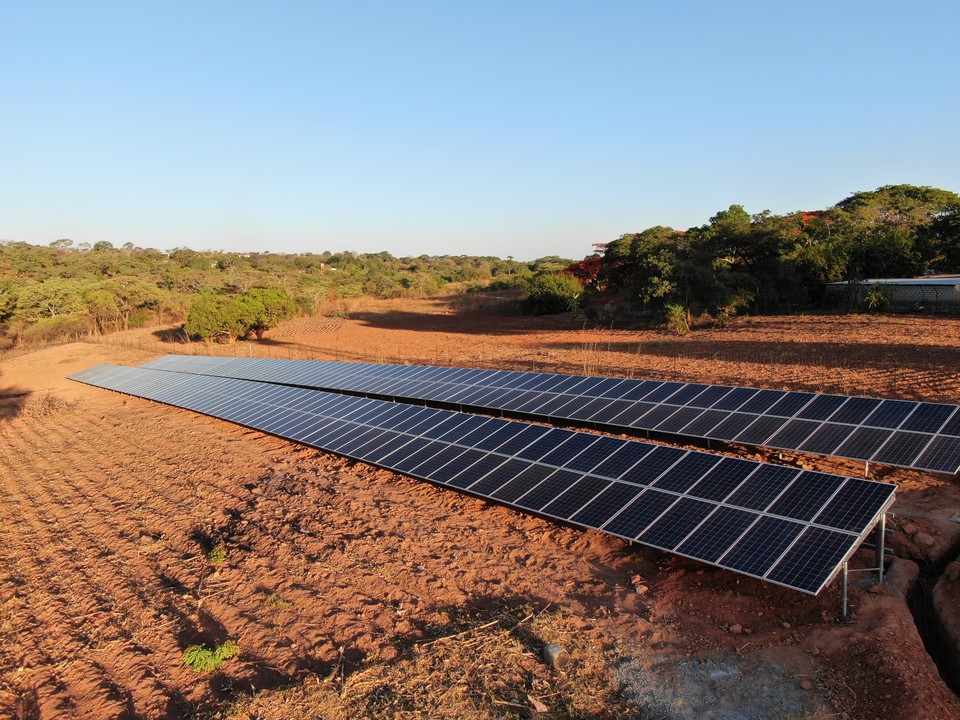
(109, 506)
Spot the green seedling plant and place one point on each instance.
(202, 659)
(217, 556)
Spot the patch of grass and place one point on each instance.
(217, 556)
(274, 602)
(202, 659)
(45, 406)
(474, 668)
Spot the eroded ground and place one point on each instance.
(110, 507)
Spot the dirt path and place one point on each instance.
(110, 507)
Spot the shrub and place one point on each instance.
(678, 317)
(202, 659)
(551, 293)
(878, 298)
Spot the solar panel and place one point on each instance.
(903, 433)
(778, 524)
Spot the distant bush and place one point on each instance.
(678, 318)
(223, 318)
(550, 293)
(52, 329)
(878, 298)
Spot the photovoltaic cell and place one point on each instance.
(702, 506)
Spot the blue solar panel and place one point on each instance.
(734, 513)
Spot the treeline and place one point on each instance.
(61, 290)
(762, 263)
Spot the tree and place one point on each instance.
(552, 292)
(262, 309)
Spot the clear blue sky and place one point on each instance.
(503, 128)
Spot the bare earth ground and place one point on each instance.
(109, 506)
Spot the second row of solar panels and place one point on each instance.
(780, 524)
(910, 434)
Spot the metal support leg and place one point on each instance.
(879, 532)
(845, 590)
(866, 469)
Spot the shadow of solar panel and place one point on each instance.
(576, 497)
(683, 474)
(717, 534)
(523, 483)
(639, 514)
(902, 448)
(806, 496)
(548, 490)
(761, 546)
(942, 455)
(812, 559)
(722, 479)
(607, 504)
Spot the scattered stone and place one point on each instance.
(806, 685)
(556, 656)
(736, 629)
(786, 625)
(815, 652)
(641, 589)
(538, 707)
(952, 571)
(924, 541)
(910, 528)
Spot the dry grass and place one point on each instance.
(474, 668)
(46, 405)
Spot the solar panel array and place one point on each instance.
(920, 435)
(783, 525)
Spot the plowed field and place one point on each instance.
(130, 531)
